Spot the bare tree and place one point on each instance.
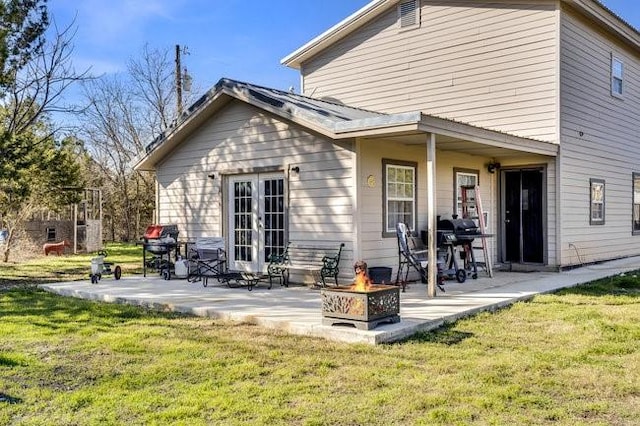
(125, 113)
(38, 87)
(153, 81)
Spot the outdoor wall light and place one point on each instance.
(492, 166)
(212, 176)
(296, 169)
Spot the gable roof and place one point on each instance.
(330, 119)
(592, 8)
(319, 115)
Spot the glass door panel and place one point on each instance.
(256, 220)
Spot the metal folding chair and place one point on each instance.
(413, 254)
(207, 260)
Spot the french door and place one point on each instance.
(256, 220)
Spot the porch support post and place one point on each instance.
(432, 269)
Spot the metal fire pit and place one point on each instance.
(362, 309)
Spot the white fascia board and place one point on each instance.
(602, 14)
(146, 160)
(352, 22)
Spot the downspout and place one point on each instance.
(301, 83)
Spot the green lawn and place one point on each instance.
(569, 358)
(45, 269)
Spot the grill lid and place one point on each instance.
(459, 226)
(156, 232)
(153, 232)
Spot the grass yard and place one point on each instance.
(569, 358)
(52, 268)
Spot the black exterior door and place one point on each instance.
(523, 216)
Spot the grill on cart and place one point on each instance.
(459, 232)
(159, 241)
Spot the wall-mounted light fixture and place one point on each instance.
(212, 176)
(492, 166)
(296, 169)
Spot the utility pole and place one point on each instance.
(178, 82)
(183, 80)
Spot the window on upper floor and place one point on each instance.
(617, 76)
(597, 202)
(409, 13)
(399, 195)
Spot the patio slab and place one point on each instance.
(297, 310)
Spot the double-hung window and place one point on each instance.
(597, 202)
(464, 178)
(399, 195)
(617, 76)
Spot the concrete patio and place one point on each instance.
(297, 309)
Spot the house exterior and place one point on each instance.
(406, 100)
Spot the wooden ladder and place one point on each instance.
(472, 203)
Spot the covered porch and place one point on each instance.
(444, 154)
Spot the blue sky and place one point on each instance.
(239, 39)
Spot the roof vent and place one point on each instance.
(408, 13)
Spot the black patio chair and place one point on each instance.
(413, 254)
(207, 260)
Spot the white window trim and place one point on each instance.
(386, 199)
(615, 78)
(592, 184)
(635, 202)
(457, 208)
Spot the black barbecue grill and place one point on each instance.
(463, 229)
(461, 232)
(159, 241)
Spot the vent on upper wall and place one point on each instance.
(409, 13)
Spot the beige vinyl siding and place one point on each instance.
(381, 251)
(600, 139)
(241, 138)
(490, 64)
